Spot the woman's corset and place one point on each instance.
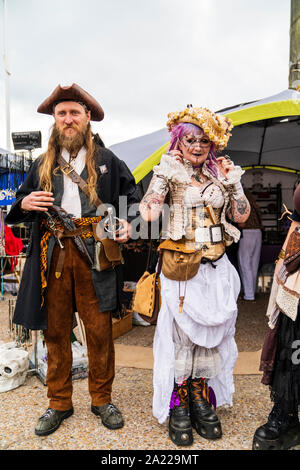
(203, 231)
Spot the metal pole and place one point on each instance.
(294, 69)
(7, 76)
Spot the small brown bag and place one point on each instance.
(292, 256)
(179, 263)
(147, 295)
(107, 252)
(147, 298)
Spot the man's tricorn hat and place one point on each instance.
(72, 93)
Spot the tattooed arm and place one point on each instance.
(239, 209)
(152, 203)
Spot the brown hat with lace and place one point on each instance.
(216, 126)
(72, 93)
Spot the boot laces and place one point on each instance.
(200, 391)
(183, 395)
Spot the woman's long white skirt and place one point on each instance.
(208, 318)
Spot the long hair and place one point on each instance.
(186, 128)
(48, 166)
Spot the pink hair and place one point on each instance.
(186, 128)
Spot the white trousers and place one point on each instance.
(248, 260)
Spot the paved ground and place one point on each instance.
(20, 408)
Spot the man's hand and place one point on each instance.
(123, 235)
(37, 201)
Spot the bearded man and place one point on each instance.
(58, 278)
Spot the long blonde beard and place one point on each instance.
(48, 166)
(71, 144)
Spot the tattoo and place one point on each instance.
(239, 210)
(241, 205)
(154, 198)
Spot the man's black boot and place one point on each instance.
(50, 421)
(280, 432)
(203, 416)
(180, 427)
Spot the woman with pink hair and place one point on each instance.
(194, 346)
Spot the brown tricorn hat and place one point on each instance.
(72, 93)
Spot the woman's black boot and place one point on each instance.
(281, 431)
(180, 428)
(203, 416)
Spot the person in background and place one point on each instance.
(249, 249)
(280, 362)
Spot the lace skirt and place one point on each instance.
(204, 343)
(192, 360)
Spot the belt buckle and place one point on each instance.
(67, 169)
(213, 235)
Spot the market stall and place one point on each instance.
(13, 169)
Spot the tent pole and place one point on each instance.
(262, 142)
(294, 69)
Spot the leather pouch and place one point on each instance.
(107, 252)
(179, 263)
(292, 257)
(147, 299)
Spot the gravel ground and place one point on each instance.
(133, 394)
(20, 408)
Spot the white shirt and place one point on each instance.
(71, 199)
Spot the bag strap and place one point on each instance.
(69, 171)
(149, 258)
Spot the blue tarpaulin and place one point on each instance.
(13, 170)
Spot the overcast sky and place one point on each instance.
(142, 59)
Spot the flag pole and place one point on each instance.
(294, 69)
(7, 76)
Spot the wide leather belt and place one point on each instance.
(68, 234)
(212, 234)
(78, 231)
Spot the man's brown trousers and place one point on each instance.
(74, 291)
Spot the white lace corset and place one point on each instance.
(208, 193)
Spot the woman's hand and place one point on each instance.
(177, 154)
(37, 201)
(225, 165)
